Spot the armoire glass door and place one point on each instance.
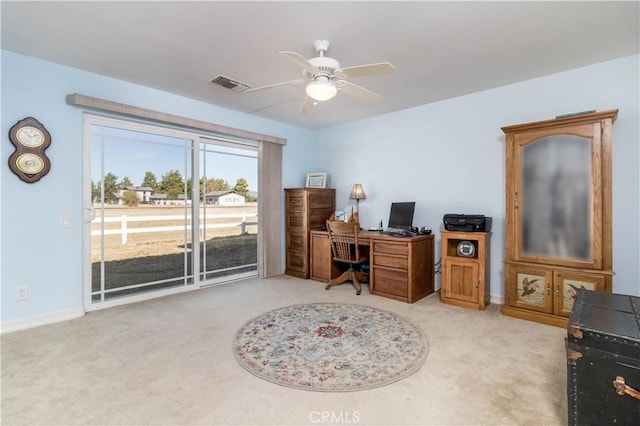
(558, 203)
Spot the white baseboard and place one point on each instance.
(497, 300)
(39, 320)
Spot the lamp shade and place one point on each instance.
(357, 192)
(321, 89)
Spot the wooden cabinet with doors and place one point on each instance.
(545, 290)
(307, 209)
(465, 269)
(558, 221)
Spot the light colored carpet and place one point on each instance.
(169, 361)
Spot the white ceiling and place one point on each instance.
(440, 49)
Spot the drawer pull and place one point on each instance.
(622, 388)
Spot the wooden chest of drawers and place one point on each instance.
(307, 209)
(402, 268)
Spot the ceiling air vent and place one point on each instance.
(233, 85)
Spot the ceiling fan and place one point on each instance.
(324, 77)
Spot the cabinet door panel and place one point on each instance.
(462, 281)
(567, 284)
(531, 288)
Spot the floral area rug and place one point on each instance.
(330, 347)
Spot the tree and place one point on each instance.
(129, 198)
(110, 187)
(150, 181)
(242, 186)
(95, 191)
(172, 184)
(216, 185)
(125, 182)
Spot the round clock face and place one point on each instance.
(30, 136)
(466, 249)
(29, 163)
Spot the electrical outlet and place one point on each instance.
(22, 292)
(65, 222)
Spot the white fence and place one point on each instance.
(124, 220)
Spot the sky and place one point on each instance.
(132, 154)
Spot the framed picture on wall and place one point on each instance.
(316, 180)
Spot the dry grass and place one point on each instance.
(148, 257)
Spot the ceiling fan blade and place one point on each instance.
(358, 91)
(307, 105)
(382, 68)
(302, 62)
(268, 86)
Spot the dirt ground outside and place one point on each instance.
(162, 254)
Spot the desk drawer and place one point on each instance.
(390, 281)
(390, 247)
(390, 261)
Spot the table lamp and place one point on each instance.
(357, 193)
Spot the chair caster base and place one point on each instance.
(327, 287)
(358, 292)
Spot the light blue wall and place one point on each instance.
(449, 156)
(35, 251)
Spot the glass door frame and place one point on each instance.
(192, 280)
(590, 132)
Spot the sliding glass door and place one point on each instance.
(143, 184)
(229, 210)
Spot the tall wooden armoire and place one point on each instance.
(558, 214)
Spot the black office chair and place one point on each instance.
(344, 247)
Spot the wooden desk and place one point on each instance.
(399, 268)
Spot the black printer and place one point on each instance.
(467, 223)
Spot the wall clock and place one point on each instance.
(31, 139)
(466, 249)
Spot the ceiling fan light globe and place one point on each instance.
(321, 90)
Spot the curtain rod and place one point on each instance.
(110, 106)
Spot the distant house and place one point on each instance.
(158, 199)
(161, 199)
(182, 200)
(224, 198)
(143, 193)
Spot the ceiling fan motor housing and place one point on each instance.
(326, 66)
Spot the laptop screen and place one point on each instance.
(401, 215)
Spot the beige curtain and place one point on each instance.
(270, 215)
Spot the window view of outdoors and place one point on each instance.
(229, 211)
(144, 235)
